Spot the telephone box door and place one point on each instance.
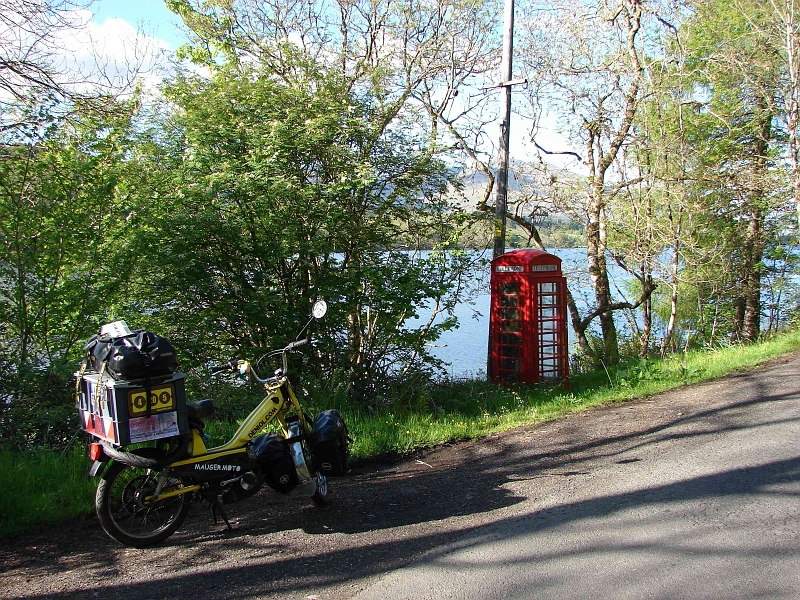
(550, 330)
(511, 356)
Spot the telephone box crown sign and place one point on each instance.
(528, 260)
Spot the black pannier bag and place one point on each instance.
(276, 463)
(138, 355)
(329, 443)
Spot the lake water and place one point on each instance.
(465, 349)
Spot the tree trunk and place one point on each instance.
(577, 325)
(737, 327)
(754, 243)
(751, 317)
(598, 270)
(647, 314)
(673, 303)
(792, 100)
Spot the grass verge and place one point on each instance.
(44, 487)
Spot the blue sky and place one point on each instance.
(150, 15)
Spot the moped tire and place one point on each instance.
(320, 497)
(123, 512)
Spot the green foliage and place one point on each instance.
(59, 267)
(632, 375)
(716, 150)
(43, 487)
(782, 290)
(266, 196)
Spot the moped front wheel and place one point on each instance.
(320, 497)
(126, 511)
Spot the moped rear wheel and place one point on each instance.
(126, 511)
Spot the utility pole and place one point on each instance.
(502, 171)
(505, 114)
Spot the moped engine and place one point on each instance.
(247, 485)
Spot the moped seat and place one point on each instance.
(200, 410)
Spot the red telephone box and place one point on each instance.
(528, 320)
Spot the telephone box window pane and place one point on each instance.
(509, 288)
(547, 313)
(512, 326)
(510, 365)
(510, 314)
(510, 339)
(510, 351)
(509, 300)
(547, 288)
(548, 300)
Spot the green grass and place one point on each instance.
(474, 409)
(45, 487)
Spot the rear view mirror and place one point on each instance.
(319, 310)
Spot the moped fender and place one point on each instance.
(98, 467)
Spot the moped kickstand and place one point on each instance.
(216, 509)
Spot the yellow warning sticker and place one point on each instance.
(162, 399)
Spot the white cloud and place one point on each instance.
(111, 55)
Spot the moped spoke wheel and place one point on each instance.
(126, 511)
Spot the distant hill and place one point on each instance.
(523, 177)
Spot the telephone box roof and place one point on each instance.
(527, 256)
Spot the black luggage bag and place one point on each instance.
(137, 356)
(329, 443)
(270, 450)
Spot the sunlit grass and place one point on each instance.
(471, 409)
(44, 487)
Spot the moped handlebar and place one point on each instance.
(297, 344)
(231, 365)
(244, 366)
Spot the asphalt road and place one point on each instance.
(706, 507)
(689, 494)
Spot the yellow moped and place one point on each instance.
(144, 494)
